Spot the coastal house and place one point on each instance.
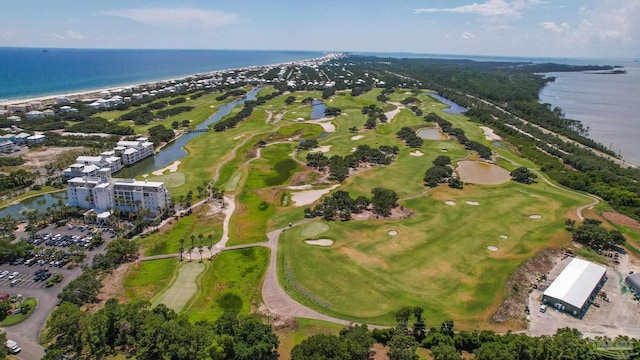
(4, 112)
(35, 105)
(14, 118)
(8, 137)
(60, 100)
(67, 109)
(21, 138)
(35, 114)
(36, 139)
(103, 193)
(6, 146)
(48, 112)
(21, 108)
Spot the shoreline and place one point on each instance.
(82, 94)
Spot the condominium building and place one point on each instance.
(102, 193)
(125, 154)
(133, 151)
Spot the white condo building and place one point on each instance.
(124, 154)
(102, 193)
(133, 151)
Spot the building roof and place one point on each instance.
(634, 282)
(576, 282)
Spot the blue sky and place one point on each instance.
(569, 28)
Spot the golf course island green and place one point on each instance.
(448, 250)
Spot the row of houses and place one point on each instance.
(126, 153)
(103, 194)
(10, 142)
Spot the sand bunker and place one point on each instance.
(392, 232)
(320, 242)
(450, 203)
(172, 168)
(535, 216)
(504, 236)
(353, 150)
(322, 149)
(431, 134)
(416, 153)
(303, 198)
(357, 137)
(489, 134)
(238, 137)
(391, 114)
(325, 123)
(473, 203)
(492, 248)
(478, 172)
(300, 187)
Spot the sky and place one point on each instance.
(526, 28)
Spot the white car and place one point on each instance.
(3, 274)
(14, 275)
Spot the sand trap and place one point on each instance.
(535, 216)
(238, 137)
(492, 248)
(322, 149)
(302, 198)
(489, 134)
(357, 137)
(504, 236)
(300, 187)
(444, 150)
(416, 153)
(450, 203)
(320, 242)
(478, 172)
(392, 232)
(391, 114)
(172, 168)
(325, 123)
(473, 203)
(353, 150)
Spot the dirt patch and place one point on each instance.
(621, 219)
(381, 352)
(40, 157)
(519, 284)
(112, 287)
(320, 242)
(398, 212)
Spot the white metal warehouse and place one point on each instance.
(576, 287)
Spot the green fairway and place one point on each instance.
(146, 279)
(231, 282)
(183, 288)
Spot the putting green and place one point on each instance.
(183, 288)
(171, 180)
(314, 229)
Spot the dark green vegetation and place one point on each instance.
(18, 179)
(440, 172)
(409, 136)
(137, 329)
(591, 234)
(523, 175)
(11, 161)
(232, 120)
(340, 205)
(339, 166)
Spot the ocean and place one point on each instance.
(34, 72)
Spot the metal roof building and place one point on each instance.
(576, 287)
(633, 282)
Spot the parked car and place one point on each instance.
(3, 274)
(14, 282)
(14, 275)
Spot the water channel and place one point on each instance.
(453, 107)
(167, 155)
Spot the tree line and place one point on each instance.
(339, 166)
(340, 205)
(233, 120)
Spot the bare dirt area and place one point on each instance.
(398, 212)
(620, 315)
(621, 219)
(112, 287)
(40, 157)
(519, 283)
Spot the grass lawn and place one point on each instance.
(183, 286)
(16, 319)
(232, 281)
(433, 262)
(146, 279)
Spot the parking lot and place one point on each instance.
(46, 257)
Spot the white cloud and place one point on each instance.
(612, 20)
(69, 35)
(75, 35)
(177, 17)
(489, 8)
(552, 26)
(468, 35)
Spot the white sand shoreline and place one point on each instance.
(80, 94)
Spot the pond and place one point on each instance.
(453, 107)
(317, 109)
(478, 172)
(167, 155)
(431, 134)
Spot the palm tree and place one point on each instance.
(200, 250)
(200, 237)
(192, 237)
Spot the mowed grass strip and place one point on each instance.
(183, 288)
(231, 282)
(146, 279)
(438, 260)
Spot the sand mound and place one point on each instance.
(320, 242)
(489, 134)
(492, 248)
(392, 232)
(535, 216)
(322, 149)
(474, 203)
(450, 203)
(357, 137)
(504, 237)
(416, 153)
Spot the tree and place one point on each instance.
(442, 160)
(523, 175)
(456, 183)
(5, 306)
(383, 200)
(254, 340)
(321, 347)
(403, 347)
(445, 352)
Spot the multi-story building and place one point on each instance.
(133, 151)
(102, 193)
(125, 154)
